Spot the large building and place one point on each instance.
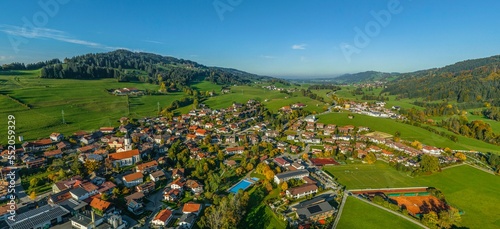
(42, 217)
(125, 158)
(314, 210)
(288, 175)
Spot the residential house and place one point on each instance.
(191, 208)
(195, 186)
(53, 153)
(162, 218)
(133, 179)
(235, 150)
(147, 167)
(101, 207)
(146, 188)
(56, 137)
(157, 176)
(301, 191)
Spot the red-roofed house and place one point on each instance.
(101, 207)
(125, 158)
(147, 167)
(133, 179)
(162, 218)
(191, 208)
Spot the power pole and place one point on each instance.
(62, 113)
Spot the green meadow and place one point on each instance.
(358, 214)
(471, 190)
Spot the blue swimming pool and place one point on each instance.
(255, 178)
(243, 184)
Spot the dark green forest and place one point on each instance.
(471, 81)
(125, 65)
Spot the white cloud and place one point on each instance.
(299, 46)
(154, 42)
(46, 33)
(268, 57)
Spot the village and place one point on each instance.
(150, 172)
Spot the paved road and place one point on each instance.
(341, 208)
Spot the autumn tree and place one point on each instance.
(429, 164)
(370, 158)
(284, 186)
(461, 156)
(91, 165)
(33, 195)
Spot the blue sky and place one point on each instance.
(277, 38)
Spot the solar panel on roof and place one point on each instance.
(314, 209)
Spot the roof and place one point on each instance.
(52, 153)
(146, 165)
(312, 210)
(89, 187)
(163, 215)
(191, 207)
(106, 186)
(78, 192)
(235, 149)
(124, 154)
(135, 196)
(99, 204)
(298, 172)
(302, 189)
(34, 217)
(72, 204)
(133, 176)
(158, 173)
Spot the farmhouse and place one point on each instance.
(37, 145)
(235, 150)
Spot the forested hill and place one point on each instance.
(365, 77)
(137, 66)
(470, 81)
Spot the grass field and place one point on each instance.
(261, 215)
(86, 103)
(357, 214)
(471, 190)
(378, 175)
(408, 132)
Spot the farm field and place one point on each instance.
(408, 132)
(377, 218)
(469, 189)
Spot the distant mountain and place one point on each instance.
(125, 65)
(470, 81)
(368, 76)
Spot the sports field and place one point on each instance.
(357, 214)
(363, 176)
(473, 191)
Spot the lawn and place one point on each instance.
(261, 215)
(471, 190)
(357, 214)
(408, 132)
